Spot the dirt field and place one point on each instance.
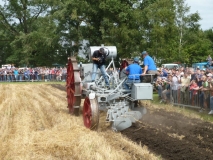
(35, 124)
(173, 136)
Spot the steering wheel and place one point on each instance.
(106, 51)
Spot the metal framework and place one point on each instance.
(119, 103)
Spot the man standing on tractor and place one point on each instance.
(149, 64)
(99, 58)
(149, 67)
(209, 61)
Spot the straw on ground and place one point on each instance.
(35, 124)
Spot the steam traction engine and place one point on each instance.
(119, 103)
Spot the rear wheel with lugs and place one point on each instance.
(73, 85)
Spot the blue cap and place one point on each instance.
(136, 59)
(144, 52)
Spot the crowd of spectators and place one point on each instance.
(186, 86)
(33, 74)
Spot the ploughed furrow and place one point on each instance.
(173, 136)
(35, 124)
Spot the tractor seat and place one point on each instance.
(148, 78)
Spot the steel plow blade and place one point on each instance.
(121, 123)
(133, 115)
(142, 110)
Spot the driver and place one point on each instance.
(134, 71)
(99, 58)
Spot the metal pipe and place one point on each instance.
(184, 105)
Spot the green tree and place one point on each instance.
(198, 47)
(42, 32)
(209, 35)
(31, 31)
(193, 45)
(158, 22)
(113, 22)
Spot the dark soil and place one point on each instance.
(173, 136)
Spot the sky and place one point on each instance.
(203, 7)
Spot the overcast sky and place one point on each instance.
(204, 8)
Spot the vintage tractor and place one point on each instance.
(117, 102)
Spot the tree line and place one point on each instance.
(43, 32)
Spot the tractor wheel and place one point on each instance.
(73, 85)
(91, 113)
